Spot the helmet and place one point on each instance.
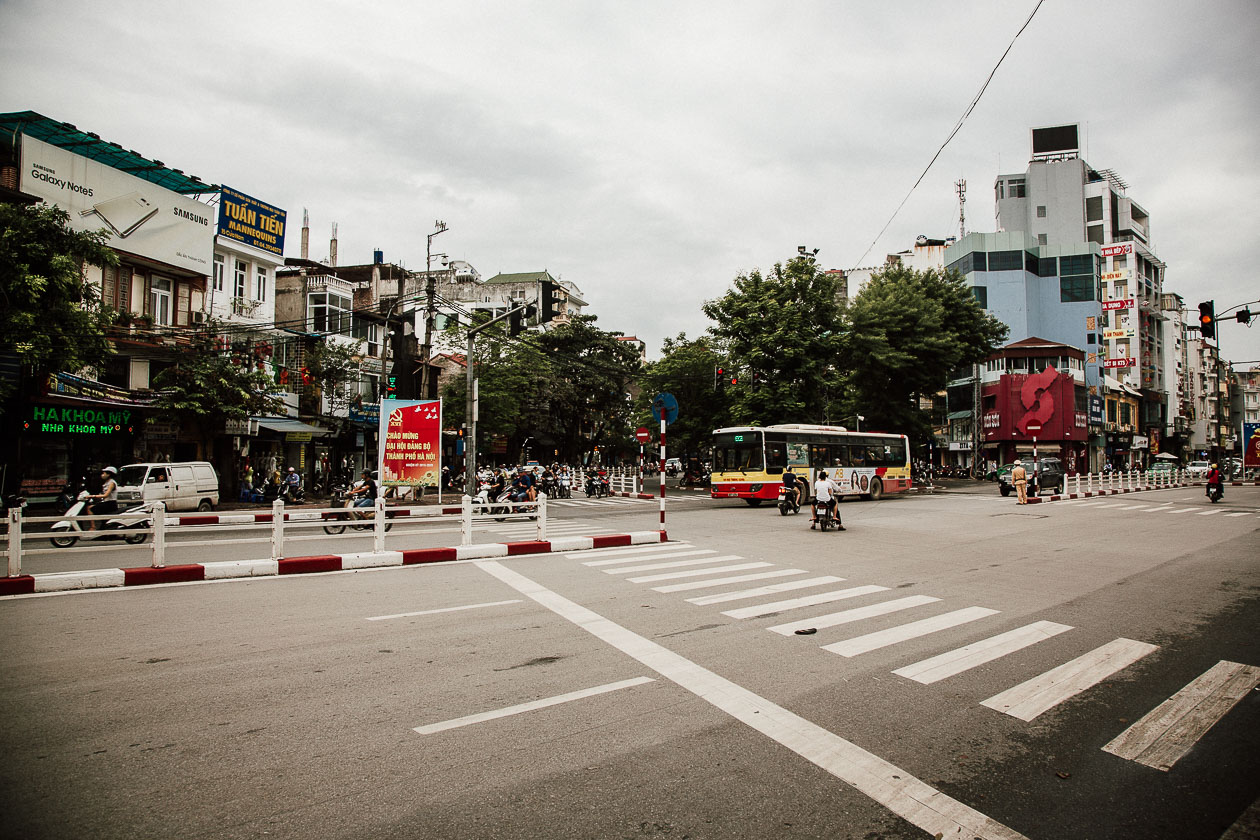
(1216, 466)
(110, 470)
(292, 470)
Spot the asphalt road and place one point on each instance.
(338, 705)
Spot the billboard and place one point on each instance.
(139, 217)
(249, 221)
(410, 443)
(1056, 140)
(1251, 445)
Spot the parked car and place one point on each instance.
(1198, 469)
(1163, 467)
(1049, 476)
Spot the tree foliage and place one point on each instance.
(782, 335)
(686, 370)
(208, 386)
(50, 315)
(906, 331)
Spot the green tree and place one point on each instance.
(333, 367)
(907, 330)
(208, 386)
(50, 315)
(783, 334)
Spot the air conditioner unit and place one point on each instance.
(199, 317)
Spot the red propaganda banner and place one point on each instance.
(1120, 363)
(411, 443)
(1251, 445)
(1123, 303)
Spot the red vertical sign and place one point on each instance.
(411, 443)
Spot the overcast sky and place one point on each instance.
(650, 152)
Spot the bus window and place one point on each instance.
(819, 455)
(857, 456)
(776, 456)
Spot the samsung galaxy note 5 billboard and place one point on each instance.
(140, 217)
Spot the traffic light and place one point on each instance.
(1207, 318)
(719, 377)
(1243, 316)
(391, 387)
(551, 300)
(516, 322)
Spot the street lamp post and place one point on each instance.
(430, 312)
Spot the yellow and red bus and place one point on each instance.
(748, 461)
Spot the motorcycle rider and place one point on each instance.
(108, 497)
(364, 493)
(824, 490)
(793, 484)
(1215, 479)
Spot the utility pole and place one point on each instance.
(470, 402)
(430, 311)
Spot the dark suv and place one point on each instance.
(1050, 477)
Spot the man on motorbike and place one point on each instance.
(792, 486)
(363, 493)
(824, 494)
(106, 500)
(1215, 481)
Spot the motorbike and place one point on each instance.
(1215, 491)
(788, 503)
(131, 525)
(597, 485)
(498, 506)
(825, 516)
(293, 494)
(359, 518)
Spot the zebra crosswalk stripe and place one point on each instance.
(1171, 729)
(770, 589)
(848, 616)
(978, 653)
(673, 564)
(659, 554)
(905, 632)
(806, 601)
(703, 584)
(738, 567)
(1042, 693)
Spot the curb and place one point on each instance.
(194, 572)
(1036, 500)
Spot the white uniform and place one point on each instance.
(823, 488)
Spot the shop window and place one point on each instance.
(260, 283)
(239, 275)
(220, 269)
(160, 301)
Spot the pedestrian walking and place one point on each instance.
(1019, 477)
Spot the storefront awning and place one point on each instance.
(285, 425)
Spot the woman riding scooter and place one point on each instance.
(106, 500)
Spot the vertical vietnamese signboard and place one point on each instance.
(1251, 445)
(410, 443)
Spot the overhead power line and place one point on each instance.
(957, 126)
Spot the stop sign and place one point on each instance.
(643, 434)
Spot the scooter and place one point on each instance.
(498, 508)
(359, 518)
(1215, 491)
(131, 525)
(788, 504)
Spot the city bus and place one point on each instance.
(748, 461)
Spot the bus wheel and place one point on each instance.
(753, 502)
(877, 490)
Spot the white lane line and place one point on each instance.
(771, 589)
(858, 614)
(531, 706)
(737, 567)
(965, 658)
(1245, 513)
(1183, 510)
(673, 564)
(1136, 507)
(443, 610)
(1029, 699)
(1092, 504)
(1117, 505)
(704, 584)
(1210, 512)
(1164, 508)
(807, 601)
(885, 783)
(1172, 728)
(612, 561)
(905, 632)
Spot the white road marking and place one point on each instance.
(1247, 513)
(1210, 512)
(647, 548)
(531, 706)
(905, 632)
(1183, 510)
(889, 785)
(737, 567)
(1029, 699)
(1171, 729)
(806, 601)
(771, 589)
(965, 658)
(704, 584)
(612, 561)
(673, 564)
(1136, 507)
(857, 614)
(443, 610)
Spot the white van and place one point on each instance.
(191, 485)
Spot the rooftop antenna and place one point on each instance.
(961, 186)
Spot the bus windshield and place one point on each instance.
(737, 452)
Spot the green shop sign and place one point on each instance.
(63, 420)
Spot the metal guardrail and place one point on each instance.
(283, 526)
